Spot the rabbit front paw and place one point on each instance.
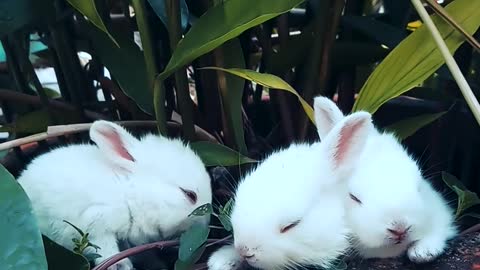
(425, 250)
(225, 258)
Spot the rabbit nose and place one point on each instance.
(245, 252)
(399, 233)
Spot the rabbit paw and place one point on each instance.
(124, 264)
(425, 250)
(225, 258)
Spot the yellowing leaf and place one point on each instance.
(416, 57)
(270, 81)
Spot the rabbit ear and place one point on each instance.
(346, 141)
(327, 115)
(114, 142)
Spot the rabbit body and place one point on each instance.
(391, 208)
(122, 188)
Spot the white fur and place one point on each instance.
(112, 198)
(286, 187)
(392, 190)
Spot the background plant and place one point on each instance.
(210, 70)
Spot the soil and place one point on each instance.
(463, 254)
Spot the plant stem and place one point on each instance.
(151, 65)
(159, 106)
(146, 37)
(450, 61)
(183, 93)
(328, 19)
(444, 15)
(60, 130)
(139, 249)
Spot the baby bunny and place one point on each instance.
(122, 188)
(289, 211)
(391, 208)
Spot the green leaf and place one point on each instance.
(51, 93)
(416, 57)
(407, 127)
(466, 198)
(131, 77)
(60, 258)
(191, 240)
(21, 247)
(213, 154)
(89, 9)
(224, 22)
(181, 265)
(232, 92)
(270, 81)
(76, 228)
(224, 215)
(202, 210)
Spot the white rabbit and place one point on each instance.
(391, 208)
(289, 211)
(122, 188)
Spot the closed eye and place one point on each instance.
(191, 196)
(289, 226)
(355, 198)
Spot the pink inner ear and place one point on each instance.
(114, 138)
(345, 142)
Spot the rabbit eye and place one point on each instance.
(192, 196)
(289, 226)
(355, 198)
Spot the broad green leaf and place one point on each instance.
(213, 154)
(407, 127)
(202, 210)
(466, 198)
(60, 258)
(416, 57)
(89, 9)
(126, 64)
(188, 265)
(270, 81)
(232, 91)
(21, 247)
(224, 215)
(191, 240)
(224, 22)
